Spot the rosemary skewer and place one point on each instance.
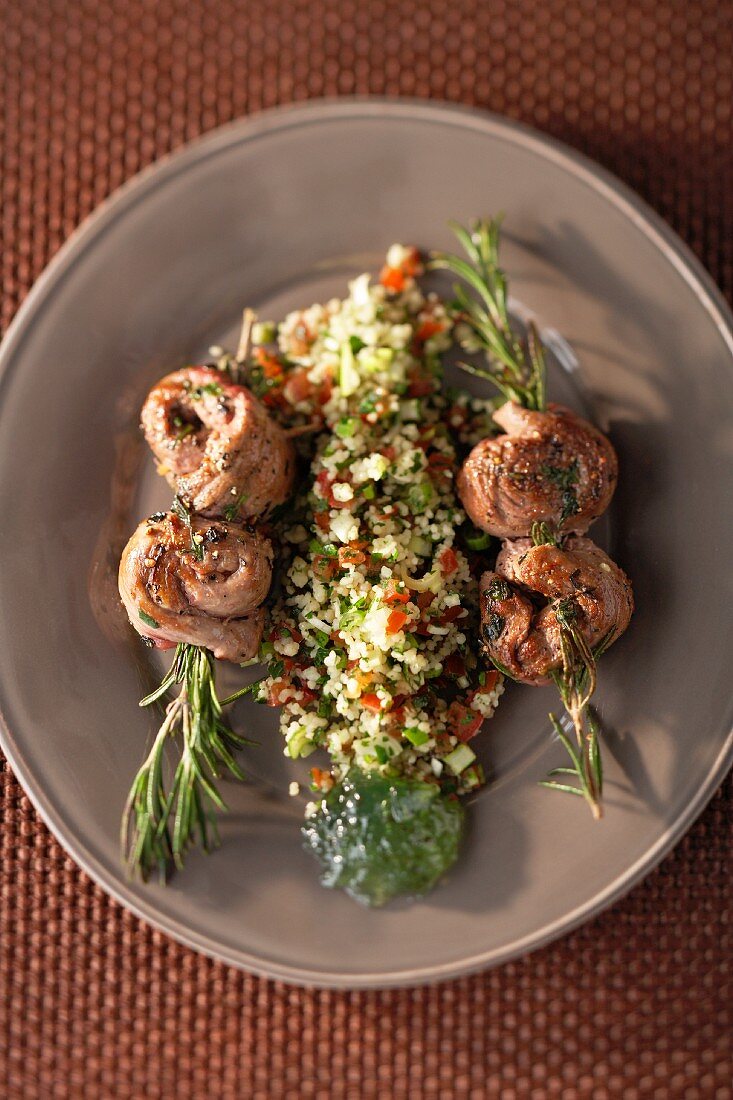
(160, 825)
(517, 368)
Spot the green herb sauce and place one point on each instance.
(377, 838)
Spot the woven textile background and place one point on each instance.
(95, 1004)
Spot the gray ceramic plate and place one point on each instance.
(276, 212)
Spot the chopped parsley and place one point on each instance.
(180, 509)
(213, 389)
(493, 627)
(565, 478)
(232, 510)
(498, 590)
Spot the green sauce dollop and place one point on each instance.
(377, 838)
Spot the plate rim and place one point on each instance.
(134, 190)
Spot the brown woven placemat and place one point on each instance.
(92, 1002)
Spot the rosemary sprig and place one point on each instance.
(159, 825)
(576, 683)
(542, 534)
(516, 367)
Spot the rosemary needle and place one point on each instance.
(159, 826)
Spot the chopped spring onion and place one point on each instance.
(459, 759)
(349, 379)
(346, 427)
(416, 736)
(263, 332)
(421, 546)
(478, 540)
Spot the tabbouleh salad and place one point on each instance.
(372, 649)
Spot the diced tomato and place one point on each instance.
(270, 364)
(451, 614)
(438, 461)
(322, 520)
(454, 665)
(420, 387)
(300, 338)
(396, 621)
(392, 278)
(298, 387)
(428, 329)
(324, 567)
(280, 692)
(448, 562)
(393, 594)
(274, 399)
(326, 483)
(488, 685)
(463, 722)
(388, 452)
(321, 779)
(372, 702)
(325, 390)
(349, 556)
